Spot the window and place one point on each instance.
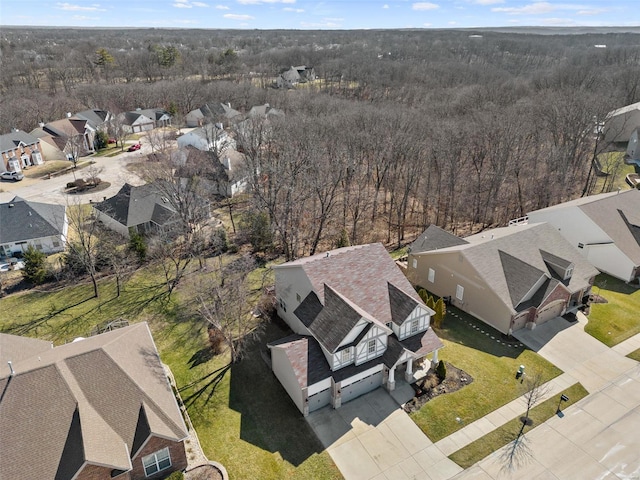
(459, 292)
(580, 245)
(156, 462)
(372, 346)
(414, 263)
(283, 305)
(414, 325)
(432, 275)
(346, 355)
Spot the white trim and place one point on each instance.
(156, 461)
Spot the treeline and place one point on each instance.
(403, 129)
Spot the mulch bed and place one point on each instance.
(203, 472)
(430, 386)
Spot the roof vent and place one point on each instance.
(327, 255)
(30, 213)
(11, 205)
(68, 114)
(13, 372)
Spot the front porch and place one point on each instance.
(409, 370)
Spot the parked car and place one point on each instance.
(134, 147)
(12, 176)
(112, 140)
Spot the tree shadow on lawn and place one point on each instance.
(464, 329)
(607, 282)
(269, 419)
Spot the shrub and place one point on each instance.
(441, 370)
(35, 268)
(441, 311)
(255, 226)
(219, 243)
(80, 184)
(343, 239)
(422, 293)
(71, 185)
(138, 246)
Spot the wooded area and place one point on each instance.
(402, 128)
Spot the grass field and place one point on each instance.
(613, 162)
(473, 346)
(476, 451)
(635, 355)
(244, 419)
(617, 320)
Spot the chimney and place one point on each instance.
(13, 372)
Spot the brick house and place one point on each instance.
(95, 409)
(510, 278)
(19, 150)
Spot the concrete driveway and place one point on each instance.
(371, 437)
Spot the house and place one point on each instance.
(257, 127)
(52, 147)
(42, 225)
(632, 156)
(19, 150)
(141, 209)
(98, 119)
(356, 320)
(294, 75)
(510, 278)
(209, 137)
(604, 228)
(77, 131)
(97, 408)
(214, 113)
(620, 124)
(140, 120)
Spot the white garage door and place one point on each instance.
(520, 321)
(552, 310)
(361, 387)
(320, 399)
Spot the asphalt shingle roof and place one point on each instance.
(21, 220)
(434, 238)
(85, 396)
(9, 141)
(499, 255)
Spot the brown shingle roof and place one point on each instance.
(107, 381)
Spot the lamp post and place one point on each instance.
(563, 398)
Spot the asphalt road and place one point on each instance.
(51, 190)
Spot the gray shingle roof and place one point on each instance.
(308, 309)
(21, 220)
(133, 206)
(401, 304)
(434, 238)
(103, 383)
(617, 214)
(9, 141)
(498, 256)
(95, 117)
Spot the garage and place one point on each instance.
(520, 321)
(553, 310)
(361, 387)
(320, 399)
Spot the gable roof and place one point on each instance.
(511, 261)
(84, 401)
(95, 117)
(66, 127)
(434, 238)
(11, 141)
(133, 206)
(619, 216)
(360, 274)
(21, 220)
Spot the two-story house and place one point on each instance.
(19, 150)
(356, 320)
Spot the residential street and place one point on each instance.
(598, 437)
(51, 190)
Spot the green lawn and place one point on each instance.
(635, 355)
(476, 451)
(613, 162)
(246, 420)
(469, 345)
(614, 322)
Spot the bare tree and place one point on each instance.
(224, 305)
(518, 452)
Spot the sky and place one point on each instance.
(327, 14)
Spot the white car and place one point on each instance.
(13, 176)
